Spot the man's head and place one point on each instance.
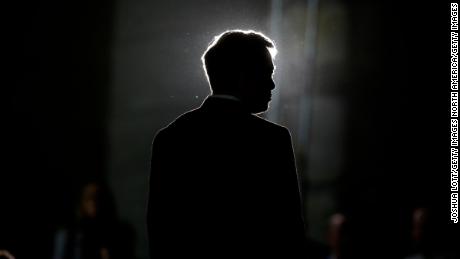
(240, 63)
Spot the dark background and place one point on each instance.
(366, 96)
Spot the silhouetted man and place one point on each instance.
(223, 181)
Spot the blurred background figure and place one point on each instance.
(428, 238)
(336, 236)
(95, 232)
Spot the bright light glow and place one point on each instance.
(273, 52)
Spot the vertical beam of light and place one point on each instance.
(276, 16)
(310, 49)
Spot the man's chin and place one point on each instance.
(259, 109)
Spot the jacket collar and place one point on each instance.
(223, 104)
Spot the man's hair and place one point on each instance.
(232, 52)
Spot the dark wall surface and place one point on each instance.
(397, 127)
(53, 133)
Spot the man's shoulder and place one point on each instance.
(185, 119)
(197, 118)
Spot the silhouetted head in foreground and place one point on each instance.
(240, 64)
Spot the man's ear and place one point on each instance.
(242, 81)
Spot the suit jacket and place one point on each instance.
(224, 183)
